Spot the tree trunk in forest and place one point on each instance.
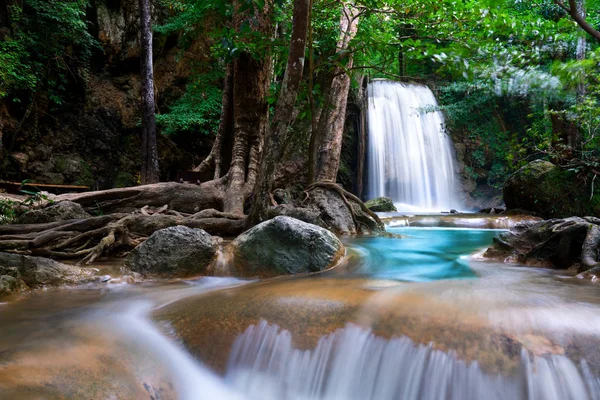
(581, 49)
(573, 10)
(574, 140)
(221, 149)
(244, 118)
(363, 102)
(331, 124)
(277, 135)
(149, 170)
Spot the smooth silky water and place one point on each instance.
(410, 157)
(400, 318)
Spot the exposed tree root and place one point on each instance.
(151, 208)
(106, 235)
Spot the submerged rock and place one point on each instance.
(310, 307)
(381, 204)
(551, 191)
(557, 243)
(62, 211)
(285, 245)
(177, 251)
(20, 272)
(10, 285)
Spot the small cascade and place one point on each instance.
(353, 363)
(410, 157)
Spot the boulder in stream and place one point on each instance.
(556, 243)
(61, 211)
(20, 272)
(381, 204)
(285, 245)
(177, 251)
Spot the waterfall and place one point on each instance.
(410, 157)
(353, 363)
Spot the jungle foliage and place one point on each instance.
(505, 71)
(45, 45)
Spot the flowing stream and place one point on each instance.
(410, 157)
(400, 318)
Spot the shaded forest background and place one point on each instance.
(517, 81)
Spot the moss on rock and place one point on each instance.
(552, 191)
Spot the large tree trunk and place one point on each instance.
(363, 102)
(250, 110)
(244, 118)
(149, 170)
(277, 135)
(220, 153)
(332, 119)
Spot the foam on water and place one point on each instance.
(353, 363)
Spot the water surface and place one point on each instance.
(409, 318)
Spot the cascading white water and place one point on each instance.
(410, 158)
(353, 363)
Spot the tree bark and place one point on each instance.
(149, 170)
(362, 136)
(237, 150)
(277, 135)
(330, 146)
(218, 154)
(573, 11)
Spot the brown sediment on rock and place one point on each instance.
(91, 367)
(312, 307)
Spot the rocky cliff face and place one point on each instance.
(93, 140)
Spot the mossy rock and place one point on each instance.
(381, 204)
(285, 245)
(551, 191)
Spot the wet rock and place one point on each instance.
(10, 285)
(177, 251)
(20, 272)
(471, 221)
(285, 245)
(381, 204)
(550, 191)
(592, 275)
(62, 211)
(556, 243)
(311, 307)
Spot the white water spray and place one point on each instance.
(352, 363)
(410, 157)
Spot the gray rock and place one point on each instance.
(556, 243)
(19, 272)
(285, 245)
(336, 216)
(177, 251)
(62, 211)
(327, 209)
(381, 204)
